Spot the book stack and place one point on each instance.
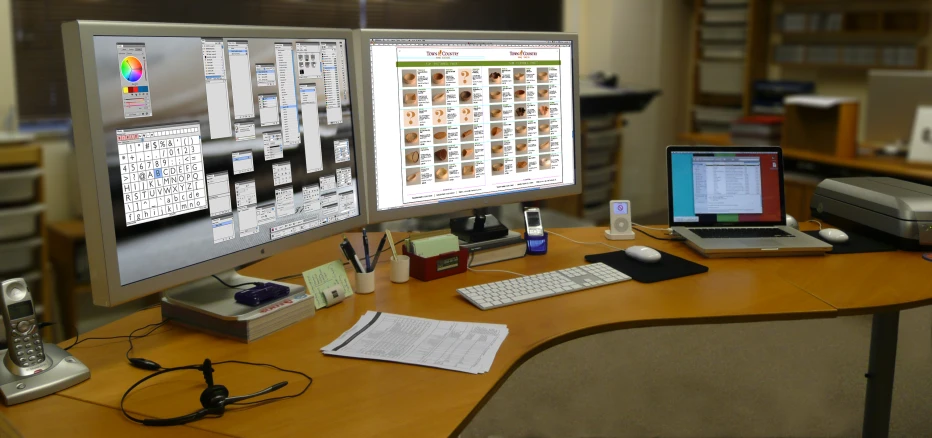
(768, 96)
(757, 131)
(223, 316)
(509, 247)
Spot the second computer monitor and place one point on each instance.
(461, 120)
(201, 148)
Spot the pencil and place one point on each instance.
(391, 243)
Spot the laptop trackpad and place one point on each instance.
(762, 243)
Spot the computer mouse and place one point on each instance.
(792, 222)
(833, 235)
(643, 254)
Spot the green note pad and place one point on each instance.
(435, 245)
(324, 277)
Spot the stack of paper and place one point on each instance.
(459, 346)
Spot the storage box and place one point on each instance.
(597, 195)
(724, 33)
(718, 115)
(721, 77)
(443, 265)
(599, 175)
(20, 255)
(597, 157)
(723, 51)
(725, 15)
(604, 138)
(597, 214)
(18, 185)
(830, 130)
(20, 222)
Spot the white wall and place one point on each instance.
(7, 66)
(646, 43)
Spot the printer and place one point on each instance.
(888, 209)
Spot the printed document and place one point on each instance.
(452, 345)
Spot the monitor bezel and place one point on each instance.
(364, 75)
(106, 287)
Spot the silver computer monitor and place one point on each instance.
(460, 120)
(892, 99)
(201, 148)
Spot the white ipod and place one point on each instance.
(619, 221)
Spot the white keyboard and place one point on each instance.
(549, 284)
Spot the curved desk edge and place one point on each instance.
(626, 325)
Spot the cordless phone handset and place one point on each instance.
(24, 344)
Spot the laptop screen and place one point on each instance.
(725, 186)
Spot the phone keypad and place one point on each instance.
(27, 344)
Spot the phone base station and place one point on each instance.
(65, 371)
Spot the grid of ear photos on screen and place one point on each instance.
(467, 122)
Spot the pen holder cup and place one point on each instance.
(401, 269)
(443, 265)
(365, 282)
(536, 245)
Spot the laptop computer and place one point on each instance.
(728, 201)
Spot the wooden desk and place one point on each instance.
(366, 398)
(62, 416)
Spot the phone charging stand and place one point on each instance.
(536, 245)
(63, 371)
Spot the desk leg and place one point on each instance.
(879, 400)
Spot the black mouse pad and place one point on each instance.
(668, 268)
(856, 243)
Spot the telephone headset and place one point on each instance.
(214, 399)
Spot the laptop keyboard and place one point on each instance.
(737, 233)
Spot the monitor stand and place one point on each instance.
(209, 296)
(480, 227)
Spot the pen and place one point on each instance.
(378, 252)
(350, 255)
(365, 248)
(391, 243)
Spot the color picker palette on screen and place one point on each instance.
(131, 69)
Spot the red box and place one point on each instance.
(443, 265)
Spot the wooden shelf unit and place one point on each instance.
(753, 64)
(30, 155)
(885, 27)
